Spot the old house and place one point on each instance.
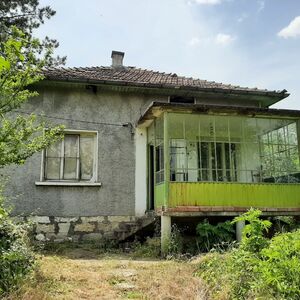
(138, 141)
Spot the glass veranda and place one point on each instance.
(215, 148)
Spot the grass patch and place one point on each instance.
(115, 280)
(149, 249)
(74, 275)
(133, 295)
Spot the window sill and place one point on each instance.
(65, 183)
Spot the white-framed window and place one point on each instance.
(72, 159)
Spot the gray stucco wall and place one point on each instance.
(116, 154)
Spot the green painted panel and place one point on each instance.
(159, 195)
(234, 194)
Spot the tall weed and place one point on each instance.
(258, 268)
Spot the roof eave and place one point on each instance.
(157, 108)
(276, 96)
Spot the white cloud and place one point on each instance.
(292, 30)
(224, 39)
(194, 41)
(242, 18)
(261, 5)
(207, 2)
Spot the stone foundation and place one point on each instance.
(59, 229)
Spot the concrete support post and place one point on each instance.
(239, 230)
(165, 233)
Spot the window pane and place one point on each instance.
(86, 157)
(294, 160)
(292, 134)
(250, 130)
(178, 160)
(70, 154)
(159, 130)
(251, 161)
(54, 150)
(192, 161)
(236, 129)
(204, 155)
(280, 159)
(159, 164)
(176, 126)
(52, 169)
(191, 128)
(222, 129)
(204, 161)
(207, 128)
(70, 168)
(219, 161)
(71, 145)
(213, 161)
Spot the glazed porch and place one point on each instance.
(223, 162)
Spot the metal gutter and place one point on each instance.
(279, 95)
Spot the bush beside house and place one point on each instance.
(259, 268)
(16, 257)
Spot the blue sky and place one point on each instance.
(253, 43)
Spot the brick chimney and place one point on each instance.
(117, 58)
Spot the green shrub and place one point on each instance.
(16, 258)
(253, 237)
(214, 236)
(233, 272)
(258, 269)
(280, 266)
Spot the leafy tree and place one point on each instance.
(21, 59)
(24, 14)
(20, 136)
(27, 15)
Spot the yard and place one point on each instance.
(85, 274)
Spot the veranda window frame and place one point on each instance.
(287, 148)
(250, 132)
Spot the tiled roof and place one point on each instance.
(147, 78)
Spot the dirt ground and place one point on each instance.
(84, 274)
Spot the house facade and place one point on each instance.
(138, 141)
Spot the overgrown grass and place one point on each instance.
(149, 249)
(109, 276)
(259, 268)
